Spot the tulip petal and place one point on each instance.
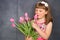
(35, 17)
(13, 25)
(21, 19)
(12, 20)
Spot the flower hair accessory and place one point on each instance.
(46, 4)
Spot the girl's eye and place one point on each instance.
(40, 11)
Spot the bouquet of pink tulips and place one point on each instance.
(25, 26)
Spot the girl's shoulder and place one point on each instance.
(49, 24)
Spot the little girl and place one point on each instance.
(44, 21)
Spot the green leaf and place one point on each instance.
(21, 28)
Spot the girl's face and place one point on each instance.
(40, 12)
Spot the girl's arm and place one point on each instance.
(45, 34)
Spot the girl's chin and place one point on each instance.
(39, 18)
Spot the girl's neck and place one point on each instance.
(41, 19)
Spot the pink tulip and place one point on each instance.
(26, 16)
(35, 17)
(12, 20)
(13, 25)
(21, 19)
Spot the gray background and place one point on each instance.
(17, 8)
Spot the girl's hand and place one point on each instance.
(29, 38)
(34, 25)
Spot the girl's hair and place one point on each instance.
(48, 16)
